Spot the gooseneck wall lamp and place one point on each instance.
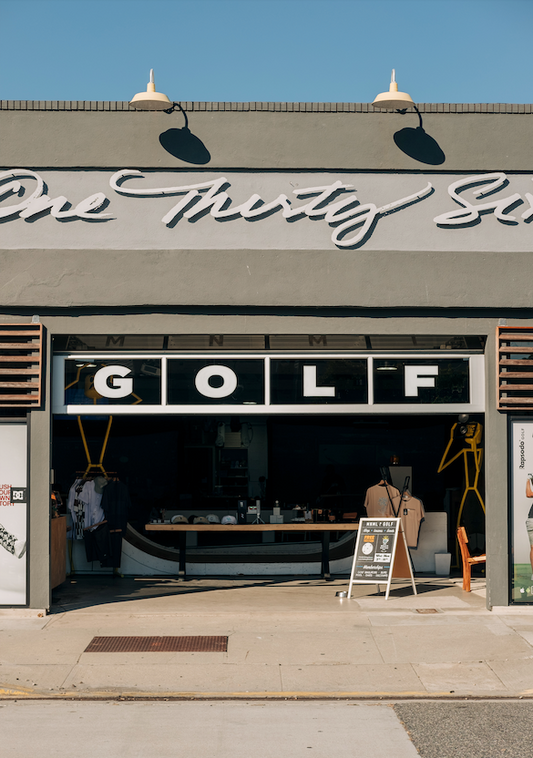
(155, 101)
(179, 142)
(393, 100)
(414, 142)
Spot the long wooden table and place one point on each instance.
(182, 529)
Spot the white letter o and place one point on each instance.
(229, 381)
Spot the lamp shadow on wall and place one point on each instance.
(418, 144)
(183, 144)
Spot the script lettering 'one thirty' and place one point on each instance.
(345, 215)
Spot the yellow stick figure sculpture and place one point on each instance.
(470, 435)
(90, 392)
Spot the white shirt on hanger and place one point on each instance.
(84, 506)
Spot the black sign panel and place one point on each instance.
(216, 382)
(375, 550)
(116, 381)
(421, 381)
(294, 382)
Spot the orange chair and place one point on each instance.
(468, 560)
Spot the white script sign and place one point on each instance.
(346, 214)
(335, 203)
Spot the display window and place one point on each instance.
(142, 439)
(316, 468)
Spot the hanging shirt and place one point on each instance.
(84, 506)
(76, 509)
(411, 511)
(378, 502)
(116, 505)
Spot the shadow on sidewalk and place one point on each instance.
(85, 591)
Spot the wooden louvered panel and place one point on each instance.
(516, 401)
(23, 358)
(525, 387)
(516, 362)
(517, 386)
(514, 375)
(522, 349)
(24, 371)
(517, 337)
(20, 365)
(16, 401)
(504, 375)
(5, 331)
(13, 345)
(15, 385)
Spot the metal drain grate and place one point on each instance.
(426, 610)
(157, 645)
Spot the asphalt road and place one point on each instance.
(469, 729)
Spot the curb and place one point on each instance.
(24, 694)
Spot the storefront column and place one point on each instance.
(39, 517)
(496, 485)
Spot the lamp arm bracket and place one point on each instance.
(178, 107)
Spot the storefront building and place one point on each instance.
(270, 303)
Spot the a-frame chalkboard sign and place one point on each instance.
(381, 554)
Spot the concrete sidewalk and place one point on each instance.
(288, 638)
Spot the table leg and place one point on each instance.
(182, 543)
(325, 557)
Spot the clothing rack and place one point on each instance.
(88, 476)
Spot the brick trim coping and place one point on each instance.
(94, 105)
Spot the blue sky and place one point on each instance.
(271, 50)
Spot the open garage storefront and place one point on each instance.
(266, 435)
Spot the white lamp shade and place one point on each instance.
(393, 100)
(150, 100)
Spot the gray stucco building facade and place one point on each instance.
(294, 232)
